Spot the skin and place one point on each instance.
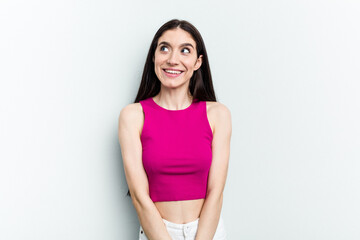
(176, 50)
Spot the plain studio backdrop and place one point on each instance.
(287, 70)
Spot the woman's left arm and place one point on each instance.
(210, 213)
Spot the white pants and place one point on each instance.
(187, 231)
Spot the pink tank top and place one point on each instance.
(176, 151)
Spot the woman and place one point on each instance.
(175, 140)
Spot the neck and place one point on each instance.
(174, 101)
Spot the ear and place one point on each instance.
(198, 62)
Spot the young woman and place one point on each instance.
(175, 140)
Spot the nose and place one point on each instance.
(173, 58)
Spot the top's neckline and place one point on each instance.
(169, 110)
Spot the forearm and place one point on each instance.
(150, 219)
(209, 217)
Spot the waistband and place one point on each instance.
(181, 226)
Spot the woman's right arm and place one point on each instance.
(130, 122)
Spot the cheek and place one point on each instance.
(158, 61)
(190, 64)
(157, 64)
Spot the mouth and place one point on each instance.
(172, 72)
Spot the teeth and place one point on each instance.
(173, 72)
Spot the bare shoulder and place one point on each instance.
(217, 108)
(131, 116)
(218, 114)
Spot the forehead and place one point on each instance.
(176, 36)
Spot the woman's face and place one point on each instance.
(175, 58)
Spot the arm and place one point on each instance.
(130, 122)
(210, 213)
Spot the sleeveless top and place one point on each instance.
(176, 151)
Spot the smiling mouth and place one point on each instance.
(172, 73)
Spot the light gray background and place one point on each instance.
(287, 70)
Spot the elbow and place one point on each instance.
(140, 200)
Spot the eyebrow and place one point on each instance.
(182, 45)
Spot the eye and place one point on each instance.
(163, 48)
(186, 50)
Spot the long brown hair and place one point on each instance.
(200, 86)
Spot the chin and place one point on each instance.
(171, 85)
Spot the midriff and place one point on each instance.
(180, 211)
